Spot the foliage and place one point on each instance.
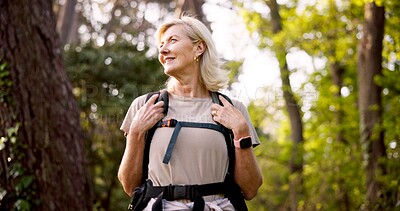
(234, 68)
(391, 99)
(333, 173)
(105, 81)
(5, 84)
(19, 183)
(20, 180)
(107, 78)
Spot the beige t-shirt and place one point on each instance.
(200, 155)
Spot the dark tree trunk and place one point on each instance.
(49, 145)
(67, 23)
(192, 7)
(369, 65)
(337, 72)
(293, 109)
(337, 78)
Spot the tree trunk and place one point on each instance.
(293, 109)
(48, 149)
(67, 23)
(296, 159)
(337, 74)
(371, 133)
(192, 7)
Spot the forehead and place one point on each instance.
(175, 30)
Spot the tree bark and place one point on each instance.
(49, 137)
(192, 7)
(293, 109)
(67, 23)
(370, 106)
(296, 124)
(337, 78)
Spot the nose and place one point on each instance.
(163, 49)
(161, 54)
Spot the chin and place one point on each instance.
(168, 72)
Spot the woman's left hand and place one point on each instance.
(230, 117)
(247, 174)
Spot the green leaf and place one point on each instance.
(22, 205)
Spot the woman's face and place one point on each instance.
(176, 51)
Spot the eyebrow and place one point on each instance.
(170, 37)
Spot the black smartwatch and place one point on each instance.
(243, 143)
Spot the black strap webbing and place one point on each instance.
(163, 96)
(174, 122)
(194, 193)
(178, 125)
(175, 192)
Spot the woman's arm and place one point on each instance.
(131, 167)
(247, 173)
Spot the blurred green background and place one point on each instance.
(111, 58)
(308, 118)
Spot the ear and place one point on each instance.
(200, 48)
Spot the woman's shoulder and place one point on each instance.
(139, 101)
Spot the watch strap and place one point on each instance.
(237, 143)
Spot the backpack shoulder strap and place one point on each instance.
(163, 96)
(228, 134)
(233, 192)
(215, 98)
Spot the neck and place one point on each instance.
(192, 88)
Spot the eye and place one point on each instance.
(173, 40)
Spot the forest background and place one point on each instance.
(69, 70)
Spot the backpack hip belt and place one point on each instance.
(194, 193)
(176, 192)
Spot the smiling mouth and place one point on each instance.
(168, 60)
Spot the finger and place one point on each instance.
(224, 101)
(152, 99)
(217, 119)
(221, 120)
(159, 111)
(157, 117)
(159, 104)
(215, 106)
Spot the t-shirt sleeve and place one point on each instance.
(130, 114)
(242, 108)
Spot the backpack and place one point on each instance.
(142, 195)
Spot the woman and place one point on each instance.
(189, 58)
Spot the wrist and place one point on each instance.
(243, 143)
(135, 134)
(240, 133)
(241, 130)
(137, 128)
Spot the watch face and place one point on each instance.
(245, 143)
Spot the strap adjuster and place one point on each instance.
(169, 123)
(174, 192)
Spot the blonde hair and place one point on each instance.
(212, 76)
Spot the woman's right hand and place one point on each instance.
(130, 170)
(148, 115)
